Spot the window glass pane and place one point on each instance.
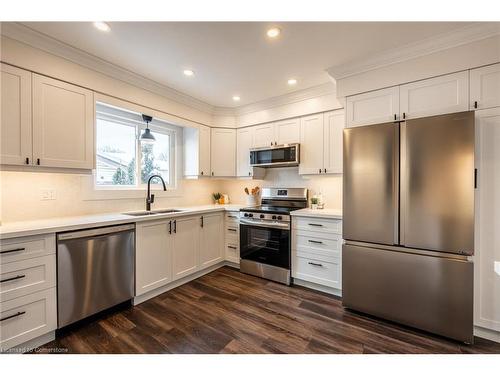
(156, 158)
(115, 156)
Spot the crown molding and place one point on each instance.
(33, 38)
(455, 38)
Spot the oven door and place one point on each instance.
(275, 156)
(266, 244)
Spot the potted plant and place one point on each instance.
(314, 203)
(217, 197)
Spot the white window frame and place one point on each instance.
(156, 126)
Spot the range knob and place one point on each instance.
(250, 215)
(246, 215)
(262, 216)
(279, 218)
(274, 217)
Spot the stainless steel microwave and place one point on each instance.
(275, 156)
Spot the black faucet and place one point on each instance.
(151, 197)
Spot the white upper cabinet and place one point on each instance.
(15, 127)
(372, 107)
(185, 249)
(485, 87)
(487, 220)
(244, 144)
(333, 138)
(263, 135)
(223, 152)
(287, 131)
(197, 151)
(153, 256)
(63, 124)
(311, 144)
(211, 240)
(435, 96)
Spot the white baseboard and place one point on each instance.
(321, 288)
(486, 333)
(156, 292)
(232, 264)
(32, 344)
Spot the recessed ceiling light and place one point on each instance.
(102, 26)
(188, 72)
(292, 81)
(236, 98)
(273, 32)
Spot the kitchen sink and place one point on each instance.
(153, 212)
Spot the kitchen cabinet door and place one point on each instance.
(211, 240)
(223, 152)
(204, 147)
(435, 96)
(487, 220)
(263, 135)
(311, 144)
(287, 131)
(485, 87)
(374, 107)
(185, 246)
(244, 144)
(333, 130)
(15, 127)
(63, 124)
(153, 256)
(196, 151)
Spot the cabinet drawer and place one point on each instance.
(27, 317)
(321, 272)
(232, 235)
(328, 247)
(27, 276)
(15, 249)
(232, 252)
(232, 220)
(318, 225)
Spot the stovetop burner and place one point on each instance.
(271, 209)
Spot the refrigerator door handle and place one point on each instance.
(396, 184)
(403, 183)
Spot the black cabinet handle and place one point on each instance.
(231, 247)
(395, 117)
(27, 160)
(232, 230)
(315, 225)
(202, 173)
(404, 115)
(315, 264)
(201, 221)
(12, 278)
(320, 170)
(38, 161)
(475, 105)
(169, 227)
(249, 173)
(325, 170)
(13, 250)
(212, 173)
(475, 178)
(313, 241)
(13, 316)
(175, 226)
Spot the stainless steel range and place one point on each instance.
(265, 234)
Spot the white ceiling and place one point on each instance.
(237, 58)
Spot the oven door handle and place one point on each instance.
(285, 226)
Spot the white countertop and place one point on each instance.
(34, 227)
(325, 213)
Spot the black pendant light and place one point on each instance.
(147, 136)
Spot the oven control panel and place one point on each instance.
(264, 216)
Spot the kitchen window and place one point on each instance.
(122, 161)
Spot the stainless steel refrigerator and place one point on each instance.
(408, 222)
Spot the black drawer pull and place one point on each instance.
(232, 230)
(231, 247)
(315, 225)
(175, 226)
(315, 264)
(233, 217)
(12, 278)
(13, 250)
(27, 160)
(170, 227)
(13, 316)
(313, 241)
(201, 218)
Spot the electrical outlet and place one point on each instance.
(47, 194)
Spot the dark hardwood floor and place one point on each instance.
(229, 312)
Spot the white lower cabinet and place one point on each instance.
(28, 307)
(211, 235)
(317, 251)
(185, 247)
(153, 255)
(487, 221)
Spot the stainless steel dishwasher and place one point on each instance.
(95, 271)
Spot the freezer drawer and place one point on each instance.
(427, 292)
